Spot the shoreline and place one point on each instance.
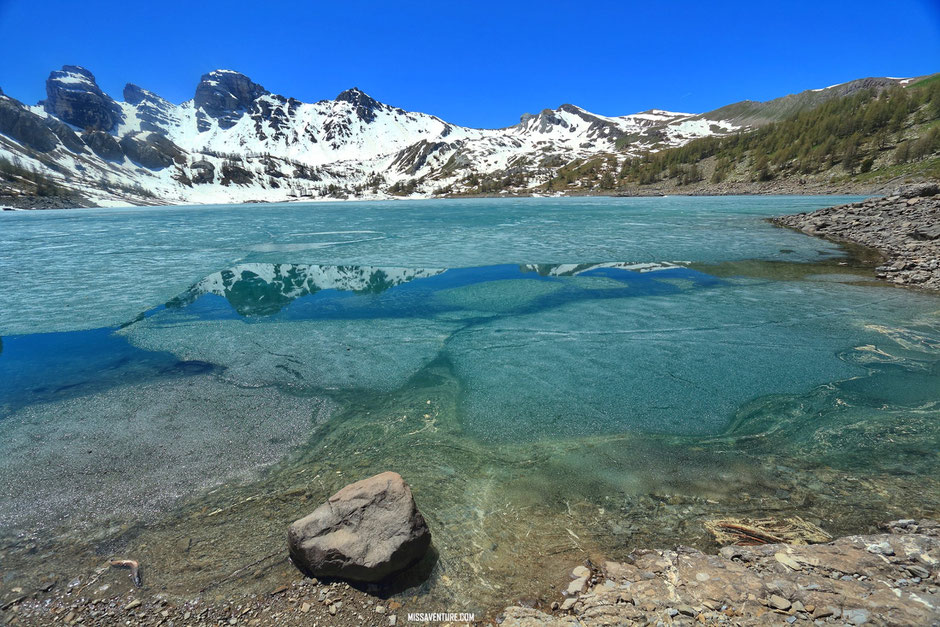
(903, 227)
(885, 578)
(36, 203)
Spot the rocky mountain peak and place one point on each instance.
(74, 97)
(225, 95)
(74, 70)
(363, 104)
(543, 122)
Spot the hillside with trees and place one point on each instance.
(870, 138)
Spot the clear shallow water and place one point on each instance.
(554, 377)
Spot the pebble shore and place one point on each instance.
(904, 227)
(305, 602)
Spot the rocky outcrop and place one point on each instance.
(73, 96)
(104, 145)
(599, 127)
(886, 579)
(24, 126)
(150, 150)
(225, 96)
(275, 114)
(409, 160)
(202, 172)
(365, 532)
(66, 135)
(232, 172)
(902, 226)
(543, 122)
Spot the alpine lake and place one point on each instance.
(555, 378)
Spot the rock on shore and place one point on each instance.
(886, 579)
(905, 227)
(365, 532)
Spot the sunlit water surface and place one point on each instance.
(555, 378)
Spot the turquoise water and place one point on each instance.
(606, 372)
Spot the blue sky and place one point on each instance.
(478, 63)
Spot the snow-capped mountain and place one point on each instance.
(235, 141)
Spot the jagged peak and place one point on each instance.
(72, 76)
(77, 69)
(228, 79)
(225, 95)
(73, 96)
(358, 97)
(364, 104)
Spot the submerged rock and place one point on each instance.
(365, 532)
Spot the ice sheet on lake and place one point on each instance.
(367, 353)
(497, 296)
(82, 269)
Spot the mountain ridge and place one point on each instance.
(235, 141)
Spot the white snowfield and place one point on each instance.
(280, 149)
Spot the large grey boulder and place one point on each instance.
(917, 189)
(365, 532)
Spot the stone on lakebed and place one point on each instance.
(365, 532)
